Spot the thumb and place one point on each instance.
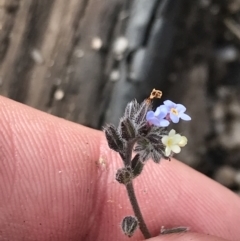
(187, 237)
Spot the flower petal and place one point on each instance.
(150, 115)
(161, 112)
(176, 139)
(164, 123)
(172, 132)
(167, 151)
(154, 121)
(175, 148)
(174, 118)
(185, 117)
(169, 103)
(180, 108)
(165, 140)
(164, 111)
(157, 111)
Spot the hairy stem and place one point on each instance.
(130, 190)
(128, 156)
(137, 211)
(129, 150)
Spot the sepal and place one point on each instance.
(114, 140)
(129, 225)
(124, 175)
(137, 165)
(127, 129)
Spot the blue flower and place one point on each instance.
(157, 118)
(176, 111)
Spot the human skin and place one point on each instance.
(57, 183)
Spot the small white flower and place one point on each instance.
(173, 142)
(183, 141)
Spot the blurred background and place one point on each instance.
(83, 60)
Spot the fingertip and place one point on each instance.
(48, 171)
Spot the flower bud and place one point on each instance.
(129, 225)
(131, 109)
(124, 175)
(128, 131)
(113, 138)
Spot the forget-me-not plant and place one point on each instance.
(144, 132)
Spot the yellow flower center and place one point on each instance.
(174, 111)
(169, 142)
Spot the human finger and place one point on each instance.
(65, 171)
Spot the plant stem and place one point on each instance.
(128, 157)
(137, 211)
(131, 192)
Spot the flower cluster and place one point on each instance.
(173, 142)
(167, 112)
(146, 129)
(162, 117)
